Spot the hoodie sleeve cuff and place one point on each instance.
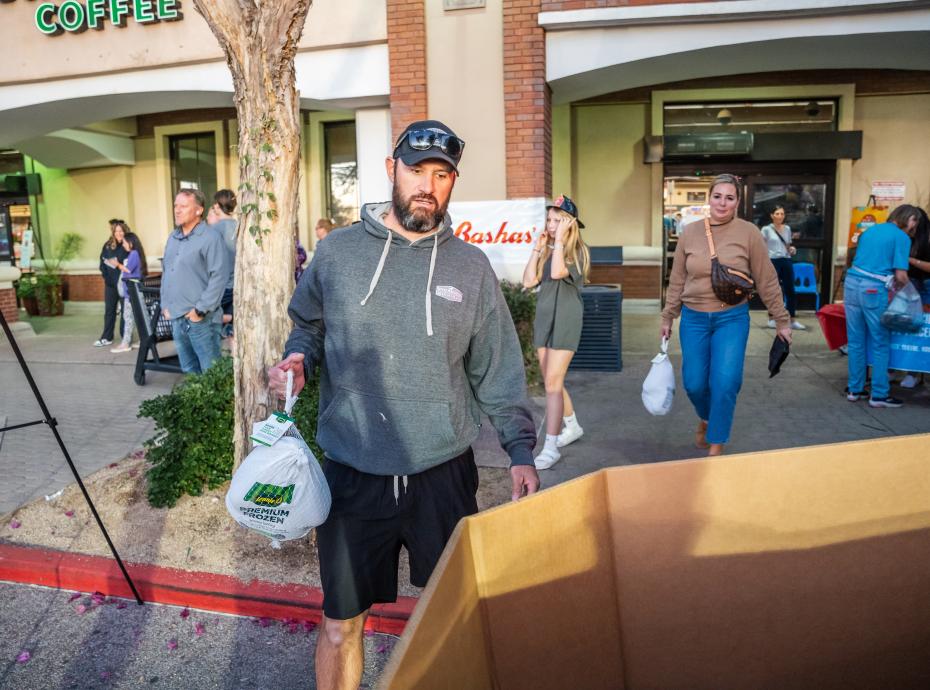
(521, 455)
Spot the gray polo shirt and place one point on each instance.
(195, 270)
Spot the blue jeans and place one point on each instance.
(198, 343)
(713, 347)
(865, 300)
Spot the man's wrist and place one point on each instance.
(521, 455)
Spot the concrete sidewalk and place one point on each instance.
(89, 391)
(804, 405)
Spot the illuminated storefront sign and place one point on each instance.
(74, 17)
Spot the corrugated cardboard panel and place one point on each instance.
(545, 575)
(450, 649)
(804, 568)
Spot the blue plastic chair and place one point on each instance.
(805, 282)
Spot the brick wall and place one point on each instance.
(556, 5)
(87, 288)
(8, 305)
(406, 28)
(527, 102)
(638, 282)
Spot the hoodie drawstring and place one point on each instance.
(377, 276)
(397, 488)
(429, 282)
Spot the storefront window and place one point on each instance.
(193, 162)
(760, 116)
(342, 202)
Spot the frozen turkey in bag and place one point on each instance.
(279, 490)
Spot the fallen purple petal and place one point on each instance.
(198, 629)
(69, 513)
(172, 644)
(293, 627)
(97, 598)
(309, 626)
(112, 465)
(185, 613)
(381, 648)
(121, 605)
(133, 473)
(81, 608)
(264, 622)
(105, 675)
(15, 524)
(23, 657)
(369, 633)
(76, 595)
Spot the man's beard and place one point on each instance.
(419, 220)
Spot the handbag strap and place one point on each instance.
(778, 235)
(710, 238)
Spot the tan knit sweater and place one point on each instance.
(740, 245)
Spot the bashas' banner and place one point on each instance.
(504, 230)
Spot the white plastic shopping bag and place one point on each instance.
(659, 386)
(279, 489)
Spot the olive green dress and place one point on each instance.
(559, 310)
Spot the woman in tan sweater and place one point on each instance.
(714, 334)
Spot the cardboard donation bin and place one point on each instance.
(802, 568)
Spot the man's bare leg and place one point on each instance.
(340, 653)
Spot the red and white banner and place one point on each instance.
(504, 230)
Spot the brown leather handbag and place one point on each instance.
(730, 286)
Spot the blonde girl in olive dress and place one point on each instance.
(558, 264)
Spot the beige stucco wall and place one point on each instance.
(37, 56)
(82, 201)
(895, 145)
(466, 91)
(612, 184)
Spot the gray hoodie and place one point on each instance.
(413, 339)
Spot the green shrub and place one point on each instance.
(193, 443)
(26, 286)
(522, 305)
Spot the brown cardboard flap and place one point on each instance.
(803, 568)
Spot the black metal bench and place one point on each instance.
(154, 328)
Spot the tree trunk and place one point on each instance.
(259, 38)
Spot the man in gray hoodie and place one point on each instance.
(414, 340)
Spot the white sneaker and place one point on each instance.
(121, 348)
(798, 326)
(102, 342)
(909, 381)
(770, 324)
(569, 434)
(547, 458)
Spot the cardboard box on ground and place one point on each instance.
(801, 568)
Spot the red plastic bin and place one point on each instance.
(832, 319)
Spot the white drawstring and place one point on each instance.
(397, 488)
(377, 276)
(429, 282)
(289, 399)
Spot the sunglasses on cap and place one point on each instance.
(425, 139)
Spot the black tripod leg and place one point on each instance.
(53, 425)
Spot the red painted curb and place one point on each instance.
(198, 590)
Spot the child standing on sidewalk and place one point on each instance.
(134, 268)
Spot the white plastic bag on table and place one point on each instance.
(659, 386)
(280, 491)
(905, 312)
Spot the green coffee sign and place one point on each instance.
(74, 16)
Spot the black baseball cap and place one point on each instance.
(563, 203)
(429, 139)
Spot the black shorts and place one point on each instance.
(359, 544)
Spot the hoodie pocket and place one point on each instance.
(371, 425)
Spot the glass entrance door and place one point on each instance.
(804, 188)
(808, 204)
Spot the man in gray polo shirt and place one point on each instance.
(194, 273)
